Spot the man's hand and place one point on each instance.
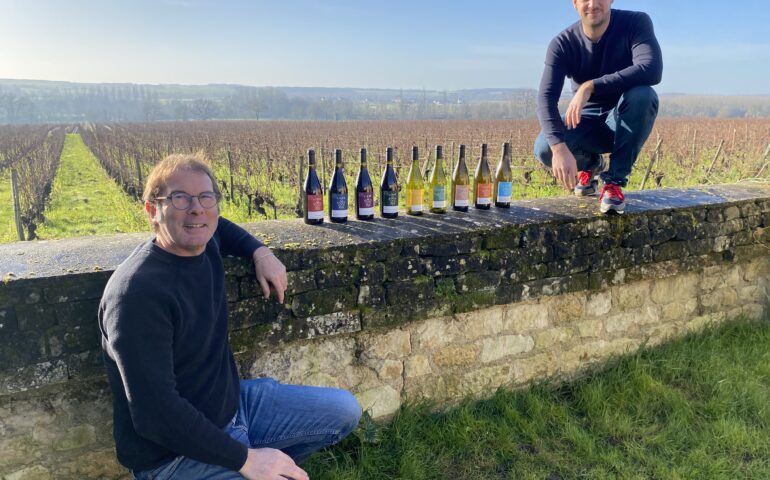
(584, 92)
(271, 464)
(564, 165)
(270, 272)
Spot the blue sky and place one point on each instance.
(708, 46)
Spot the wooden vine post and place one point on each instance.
(714, 160)
(230, 166)
(301, 182)
(16, 205)
(694, 139)
(140, 185)
(764, 157)
(654, 156)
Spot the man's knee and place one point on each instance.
(349, 411)
(642, 99)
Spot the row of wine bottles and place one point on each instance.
(486, 189)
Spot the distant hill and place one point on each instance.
(41, 101)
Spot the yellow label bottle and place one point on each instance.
(415, 186)
(438, 192)
(460, 183)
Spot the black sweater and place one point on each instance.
(627, 55)
(163, 320)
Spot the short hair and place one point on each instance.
(193, 162)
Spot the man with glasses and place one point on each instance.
(180, 410)
(613, 59)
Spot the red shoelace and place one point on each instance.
(612, 191)
(584, 178)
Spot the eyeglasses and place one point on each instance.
(183, 201)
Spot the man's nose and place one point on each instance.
(195, 205)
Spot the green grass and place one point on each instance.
(696, 408)
(85, 200)
(7, 225)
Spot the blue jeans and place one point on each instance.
(620, 131)
(295, 419)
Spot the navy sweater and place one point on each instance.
(627, 55)
(163, 320)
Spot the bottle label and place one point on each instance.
(389, 201)
(365, 203)
(484, 193)
(414, 199)
(315, 206)
(504, 191)
(439, 196)
(339, 206)
(461, 195)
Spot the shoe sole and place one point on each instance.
(587, 192)
(607, 208)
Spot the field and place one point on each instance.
(259, 165)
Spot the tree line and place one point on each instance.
(63, 102)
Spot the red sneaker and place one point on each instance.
(612, 199)
(587, 184)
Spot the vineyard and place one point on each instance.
(29, 157)
(260, 164)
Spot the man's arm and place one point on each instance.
(551, 84)
(647, 67)
(269, 271)
(563, 163)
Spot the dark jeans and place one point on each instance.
(295, 419)
(620, 131)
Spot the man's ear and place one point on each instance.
(151, 210)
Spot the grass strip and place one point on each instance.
(7, 223)
(85, 200)
(693, 408)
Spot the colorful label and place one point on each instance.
(439, 196)
(414, 199)
(366, 203)
(461, 195)
(484, 193)
(389, 201)
(504, 191)
(339, 206)
(315, 206)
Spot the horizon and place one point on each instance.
(341, 44)
(680, 94)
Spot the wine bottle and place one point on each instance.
(389, 188)
(414, 186)
(438, 184)
(338, 192)
(364, 191)
(312, 193)
(503, 179)
(483, 182)
(460, 183)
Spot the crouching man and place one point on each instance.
(613, 59)
(180, 410)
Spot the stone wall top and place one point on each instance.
(103, 253)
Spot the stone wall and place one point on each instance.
(438, 307)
